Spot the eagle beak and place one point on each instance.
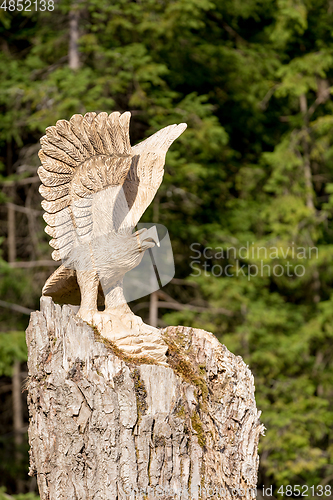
(149, 235)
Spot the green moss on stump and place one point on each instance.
(183, 362)
(144, 360)
(198, 427)
(140, 393)
(180, 413)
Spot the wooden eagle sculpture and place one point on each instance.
(95, 188)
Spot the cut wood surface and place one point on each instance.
(104, 426)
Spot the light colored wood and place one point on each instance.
(96, 188)
(101, 424)
(11, 232)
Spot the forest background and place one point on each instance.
(253, 80)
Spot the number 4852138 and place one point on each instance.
(27, 5)
(305, 490)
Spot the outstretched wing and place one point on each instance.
(80, 158)
(147, 170)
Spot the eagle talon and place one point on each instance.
(86, 314)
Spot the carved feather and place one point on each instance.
(78, 189)
(62, 241)
(90, 116)
(124, 122)
(53, 165)
(90, 129)
(83, 231)
(78, 130)
(80, 212)
(51, 231)
(94, 179)
(85, 202)
(58, 219)
(66, 232)
(52, 179)
(64, 249)
(117, 136)
(56, 153)
(63, 144)
(116, 170)
(55, 206)
(101, 171)
(101, 128)
(53, 193)
(64, 129)
(59, 231)
(62, 253)
(83, 222)
(56, 255)
(89, 183)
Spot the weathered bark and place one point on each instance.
(103, 425)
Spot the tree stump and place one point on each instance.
(104, 426)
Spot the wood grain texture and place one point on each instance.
(102, 423)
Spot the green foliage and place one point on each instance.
(12, 348)
(23, 496)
